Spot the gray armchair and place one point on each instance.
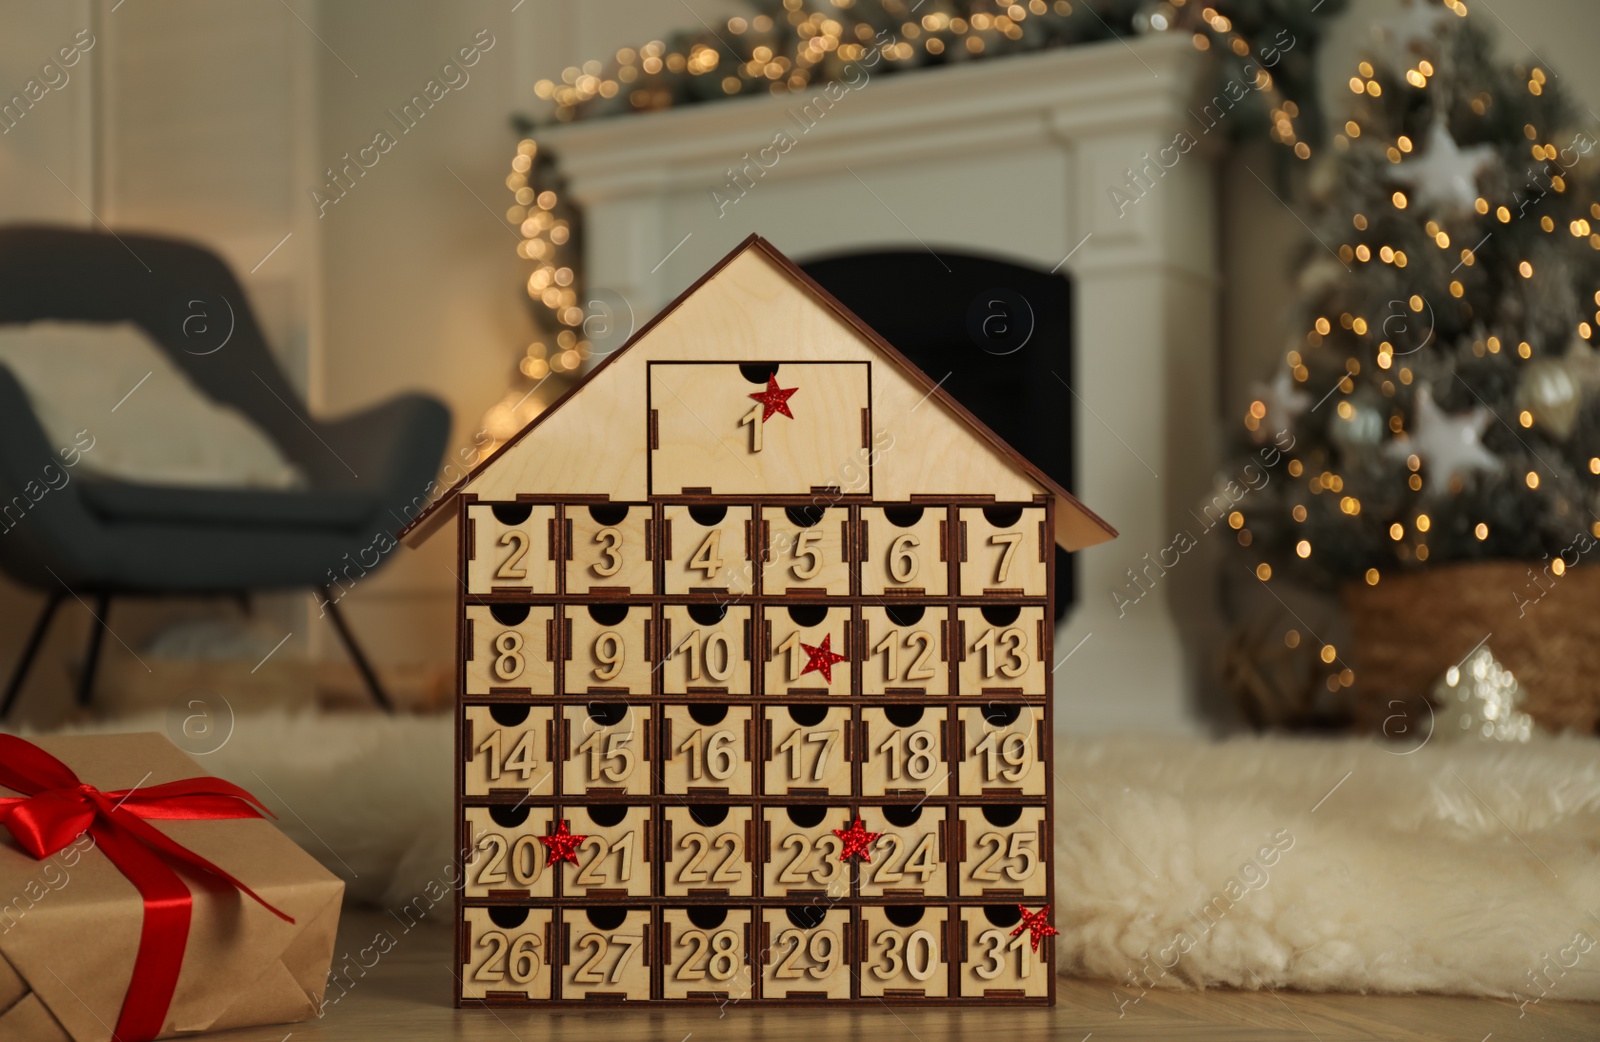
(99, 539)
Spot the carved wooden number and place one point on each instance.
(507, 749)
(1012, 856)
(706, 955)
(511, 566)
(904, 563)
(503, 863)
(608, 956)
(706, 851)
(610, 563)
(1004, 652)
(807, 953)
(710, 756)
(609, 756)
(811, 747)
(1005, 850)
(816, 955)
(506, 952)
(708, 559)
(904, 951)
(810, 859)
(705, 748)
(752, 419)
(908, 656)
(1006, 543)
(895, 859)
(807, 551)
(609, 861)
(710, 655)
(607, 952)
(914, 953)
(519, 960)
(504, 853)
(999, 950)
(607, 747)
(714, 955)
(1004, 548)
(713, 861)
(912, 755)
(510, 547)
(1006, 756)
(519, 760)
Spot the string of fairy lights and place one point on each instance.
(1410, 535)
(799, 46)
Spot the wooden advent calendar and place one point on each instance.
(755, 675)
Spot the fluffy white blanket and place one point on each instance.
(1331, 865)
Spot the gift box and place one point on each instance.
(140, 899)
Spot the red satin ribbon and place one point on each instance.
(58, 808)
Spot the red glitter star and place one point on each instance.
(821, 658)
(563, 845)
(1037, 924)
(856, 841)
(774, 399)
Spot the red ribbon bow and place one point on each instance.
(58, 808)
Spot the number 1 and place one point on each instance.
(752, 419)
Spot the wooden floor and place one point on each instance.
(406, 998)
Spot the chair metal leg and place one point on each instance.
(30, 651)
(378, 694)
(91, 660)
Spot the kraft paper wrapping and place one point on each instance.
(69, 925)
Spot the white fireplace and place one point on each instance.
(1026, 159)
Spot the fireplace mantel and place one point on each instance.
(1015, 157)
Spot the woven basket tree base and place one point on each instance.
(1410, 628)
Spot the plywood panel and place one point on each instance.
(707, 851)
(904, 550)
(911, 856)
(997, 963)
(508, 748)
(1003, 851)
(904, 951)
(1002, 649)
(510, 649)
(605, 953)
(801, 851)
(606, 748)
(806, 550)
(809, 750)
(707, 953)
(507, 959)
(709, 435)
(511, 548)
(708, 549)
(999, 746)
(805, 952)
(750, 309)
(508, 860)
(707, 749)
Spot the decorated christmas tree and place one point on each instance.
(1439, 400)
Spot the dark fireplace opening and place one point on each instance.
(997, 333)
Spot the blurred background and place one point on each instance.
(1170, 203)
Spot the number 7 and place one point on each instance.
(1009, 540)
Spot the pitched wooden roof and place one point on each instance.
(1076, 525)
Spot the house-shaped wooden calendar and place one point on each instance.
(755, 675)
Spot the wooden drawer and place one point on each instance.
(708, 549)
(808, 750)
(1001, 746)
(902, 550)
(508, 748)
(805, 953)
(1002, 650)
(606, 748)
(707, 953)
(510, 649)
(911, 856)
(606, 953)
(705, 649)
(807, 650)
(904, 650)
(1004, 851)
(609, 549)
(1003, 550)
(615, 855)
(800, 852)
(904, 951)
(507, 858)
(807, 550)
(903, 751)
(706, 850)
(707, 749)
(511, 548)
(608, 649)
(508, 953)
(997, 963)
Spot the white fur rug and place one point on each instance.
(1331, 865)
